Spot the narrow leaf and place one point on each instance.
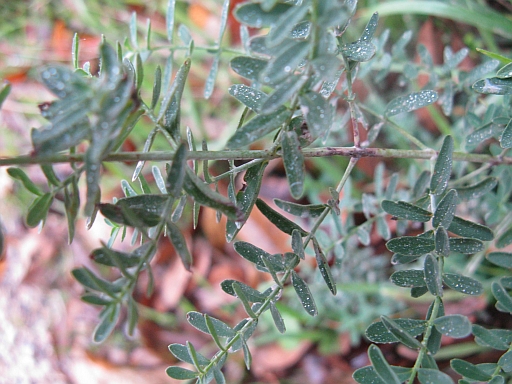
(400, 334)
(411, 245)
(502, 296)
(293, 163)
(177, 172)
(250, 97)
(323, 267)
(258, 127)
(300, 210)
(304, 294)
(490, 337)
(179, 243)
(477, 190)
(463, 284)
(179, 373)
(503, 259)
(318, 113)
(406, 211)
(281, 222)
(442, 242)
(409, 278)
(430, 376)
(411, 102)
(38, 211)
(278, 319)
(379, 333)
(297, 245)
(433, 275)
(466, 246)
(381, 366)
(469, 370)
(445, 210)
(442, 168)
(4, 92)
(18, 174)
(467, 228)
(108, 322)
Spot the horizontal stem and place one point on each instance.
(244, 154)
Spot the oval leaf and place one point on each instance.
(445, 210)
(406, 211)
(463, 284)
(293, 163)
(443, 167)
(457, 326)
(411, 245)
(304, 294)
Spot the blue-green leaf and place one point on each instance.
(467, 228)
(465, 245)
(409, 278)
(253, 15)
(179, 373)
(108, 321)
(411, 102)
(257, 128)
(503, 259)
(445, 210)
(38, 211)
(442, 168)
(318, 112)
(457, 326)
(281, 222)
(379, 333)
(381, 366)
(469, 370)
(250, 97)
(293, 163)
(463, 284)
(431, 376)
(407, 211)
(19, 174)
(433, 275)
(401, 334)
(494, 86)
(411, 245)
(304, 294)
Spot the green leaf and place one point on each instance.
(177, 172)
(379, 333)
(179, 373)
(38, 211)
(493, 86)
(359, 51)
(411, 102)
(318, 113)
(503, 259)
(466, 246)
(300, 210)
(467, 228)
(240, 293)
(402, 259)
(140, 210)
(477, 190)
(381, 366)
(89, 280)
(62, 81)
(281, 222)
(409, 278)
(251, 252)
(169, 22)
(250, 97)
(283, 65)
(457, 326)
(400, 333)
(251, 294)
(18, 174)
(157, 87)
(406, 211)
(495, 56)
(323, 267)
(246, 198)
(180, 351)
(95, 299)
(411, 245)
(463, 284)
(248, 67)
(502, 296)
(442, 242)
(490, 337)
(4, 92)
(304, 294)
(469, 370)
(370, 28)
(367, 375)
(284, 25)
(107, 256)
(433, 275)
(212, 75)
(258, 127)
(282, 93)
(429, 376)
(297, 245)
(50, 174)
(203, 195)
(179, 243)
(170, 110)
(506, 136)
(443, 167)
(445, 210)
(505, 361)
(278, 319)
(247, 354)
(253, 15)
(109, 318)
(197, 320)
(293, 163)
